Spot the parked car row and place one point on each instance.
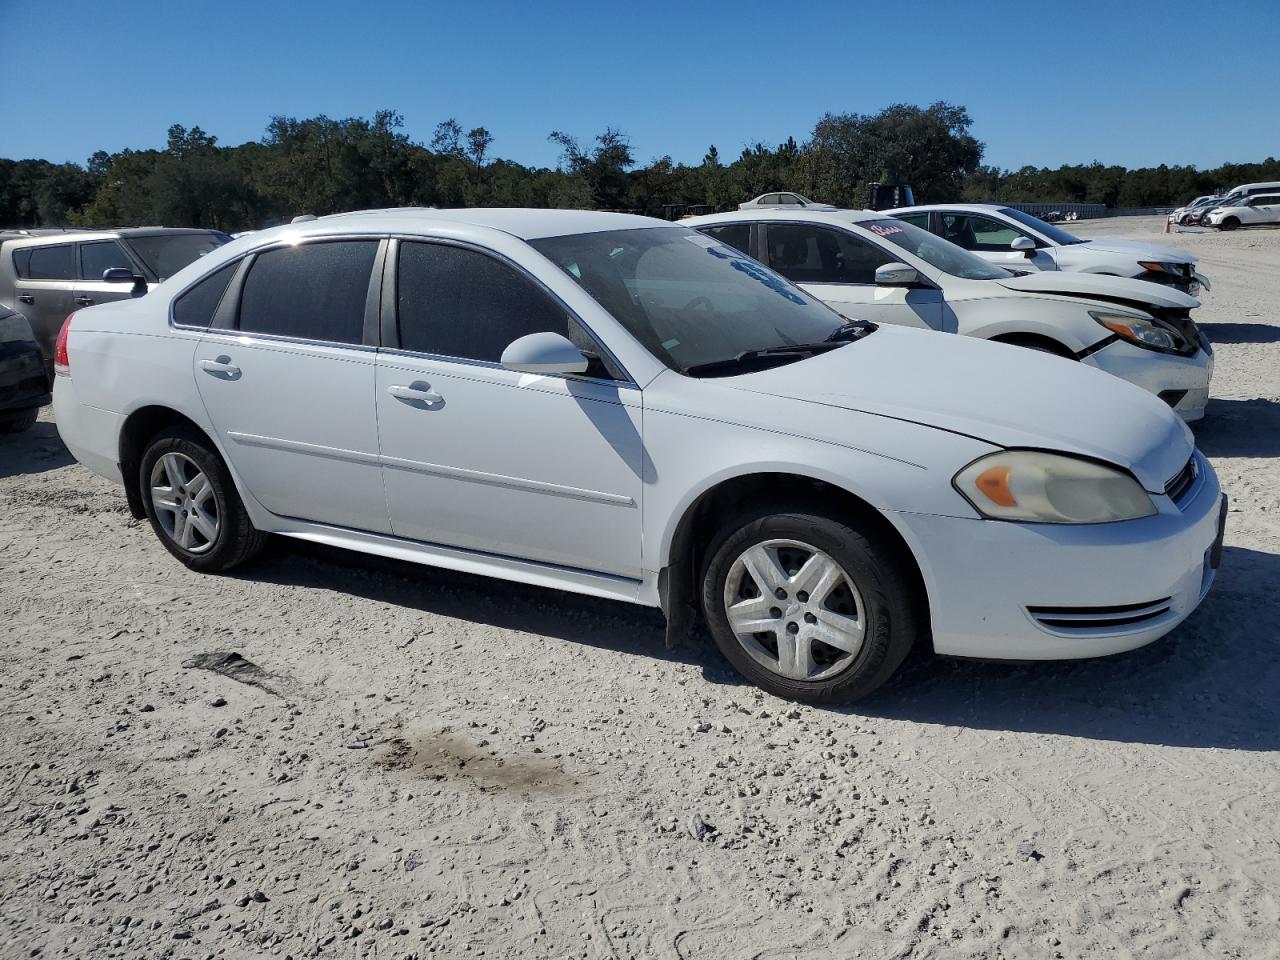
(1250, 204)
(887, 267)
(657, 413)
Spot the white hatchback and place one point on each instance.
(870, 267)
(1017, 240)
(623, 407)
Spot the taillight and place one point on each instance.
(62, 362)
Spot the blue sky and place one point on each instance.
(1046, 82)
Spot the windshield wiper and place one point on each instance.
(851, 330)
(841, 335)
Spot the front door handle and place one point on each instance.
(417, 393)
(83, 300)
(26, 298)
(222, 367)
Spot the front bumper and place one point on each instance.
(1026, 591)
(1189, 282)
(1182, 382)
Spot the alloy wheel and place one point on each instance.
(184, 503)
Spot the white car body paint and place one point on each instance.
(1051, 305)
(574, 483)
(1119, 258)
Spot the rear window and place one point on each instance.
(196, 307)
(48, 263)
(167, 253)
(314, 291)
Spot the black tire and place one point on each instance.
(19, 420)
(1230, 223)
(1187, 220)
(237, 540)
(890, 604)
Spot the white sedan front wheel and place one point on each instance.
(809, 607)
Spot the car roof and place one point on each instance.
(971, 207)
(45, 237)
(527, 224)
(837, 218)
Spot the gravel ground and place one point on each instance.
(326, 755)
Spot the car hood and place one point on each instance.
(1071, 284)
(1141, 250)
(1007, 396)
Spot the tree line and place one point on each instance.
(321, 165)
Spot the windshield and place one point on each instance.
(1056, 234)
(167, 253)
(691, 300)
(933, 250)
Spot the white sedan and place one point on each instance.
(1010, 238)
(870, 267)
(623, 407)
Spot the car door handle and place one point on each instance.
(222, 367)
(416, 393)
(84, 301)
(26, 298)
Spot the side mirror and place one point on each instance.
(1025, 244)
(125, 275)
(896, 275)
(544, 353)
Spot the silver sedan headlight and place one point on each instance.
(1038, 487)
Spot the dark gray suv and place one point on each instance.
(46, 275)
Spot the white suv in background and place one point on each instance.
(1019, 241)
(1248, 211)
(871, 267)
(622, 407)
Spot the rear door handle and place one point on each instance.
(222, 367)
(26, 298)
(416, 393)
(84, 301)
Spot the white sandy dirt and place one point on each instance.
(326, 755)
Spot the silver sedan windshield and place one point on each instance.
(933, 250)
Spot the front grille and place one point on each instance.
(1086, 620)
(1182, 481)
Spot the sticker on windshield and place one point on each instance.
(884, 230)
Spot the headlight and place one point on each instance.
(1142, 332)
(1156, 266)
(1030, 485)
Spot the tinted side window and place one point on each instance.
(455, 302)
(100, 256)
(196, 307)
(736, 235)
(806, 254)
(314, 291)
(52, 263)
(920, 220)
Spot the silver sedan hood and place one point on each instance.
(1100, 287)
(1142, 250)
(1005, 395)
